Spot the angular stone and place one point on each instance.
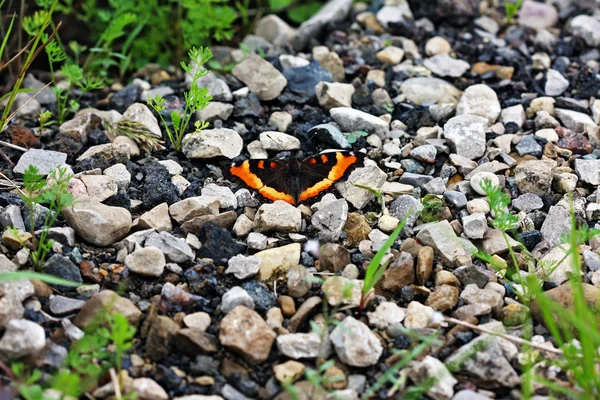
(245, 332)
(262, 78)
(444, 241)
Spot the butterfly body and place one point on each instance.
(293, 180)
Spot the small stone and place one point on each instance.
(556, 84)
(174, 249)
(444, 241)
(300, 345)
(514, 114)
(426, 153)
(60, 305)
(390, 55)
(535, 176)
(222, 193)
(386, 314)
(212, 143)
(256, 241)
(330, 220)
(437, 45)
(528, 145)
(119, 174)
(342, 291)
(351, 120)
(355, 344)
(244, 331)
(331, 95)
(260, 76)
(236, 296)
(278, 217)
(473, 295)
(334, 257)
(444, 65)
(528, 202)
(431, 368)
(479, 100)
(276, 262)
(299, 281)
(243, 267)
(186, 210)
(104, 302)
(279, 141)
(140, 113)
(158, 219)
(214, 111)
(146, 389)
(199, 320)
(281, 120)
(21, 338)
(423, 90)
(477, 180)
(148, 261)
(466, 134)
(475, 225)
(588, 171)
(443, 298)
(418, 316)
(289, 371)
(44, 160)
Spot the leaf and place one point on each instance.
(50, 279)
(277, 5)
(304, 12)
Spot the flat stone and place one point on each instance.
(368, 175)
(588, 28)
(355, 344)
(535, 176)
(262, 78)
(444, 65)
(386, 314)
(588, 171)
(175, 249)
(574, 120)
(333, 11)
(192, 207)
(279, 141)
(140, 113)
(475, 225)
(277, 261)
(212, 143)
(556, 84)
(466, 135)
(301, 345)
(480, 100)
(44, 160)
(331, 95)
(278, 217)
(234, 297)
(214, 111)
(431, 368)
(104, 302)
(60, 305)
(330, 220)
(243, 267)
(528, 202)
(244, 331)
(98, 224)
(351, 120)
(422, 90)
(148, 261)
(557, 223)
(444, 241)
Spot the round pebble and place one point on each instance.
(478, 179)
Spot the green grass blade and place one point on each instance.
(5, 40)
(20, 275)
(375, 270)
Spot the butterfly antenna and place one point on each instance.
(277, 141)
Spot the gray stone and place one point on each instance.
(119, 174)
(274, 29)
(478, 178)
(330, 220)
(278, 217)
(234, 297)
(214, 111)
(98, 224)
(466, 135)
(222, 193)
(355, 344)
(431, 368)
(574, 120)
(333, 11)
(256, 241)
(60, 305)
(217, 88)
(528, 145)
(99, 187)
(299, 281)
(192, 207)
(535, 176)
(140, 113)
(423, 90)
(386, 314)
(11, 216)
(243, 267)
(174, 249)
(444, 65)
(45, 96)
(557, 223)
(468, 274)
(528, 202)
(368, 175)
(21, 338)
(262, 78)
(394, 12)
(351, 120)
(444, 241)
(588, 171)
(475, 225)
(302, 345)
(331, 95)
(435, 186)
(12, 294)
(479, 100)
(279, 141)
(148, 261)
(494, 242)
(556, 84)
(456, 199)
(212, 143)
(44, 160)
(406, 205)
(425, 153)
(588, 28)
(514, 114)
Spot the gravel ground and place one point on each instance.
(436, 95)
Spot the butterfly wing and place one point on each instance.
(320, 172)
(269, 177)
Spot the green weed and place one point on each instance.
(195, 99)
(511, 9)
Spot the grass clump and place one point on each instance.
(511, 9)
(196, 98)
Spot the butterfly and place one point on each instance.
(292, 180)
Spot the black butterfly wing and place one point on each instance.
(269, 177)
(319, 173)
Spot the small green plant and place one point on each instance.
(352, 137)
(45, 119)
(432, 205)
(195, 99)
(55, 195)
(376, 268)
(137, 132)
(296, 11)
(87, 362)
(511, 9)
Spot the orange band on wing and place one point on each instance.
(339, 169)
(316, 189)
(243, 172)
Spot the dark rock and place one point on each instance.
(158, 187)
(528, 145)
(7, 199)
(217, 243)
(204, 365)
(264, 299)
(248, 107)
(121, 199)
(415, 180)
(39, 216)
(62, 267)
(91, 163)
(530, 239)
(331, 135)
(468, 274)
(121, 100)
(303, 80)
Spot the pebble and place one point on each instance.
(443, 65)
(60, 305)
(386, 314)
(351, 120)
(21, 338)
(342, 291)
(535, 176)
(299, 281)
(477, 180)
(418, 316)
(444, 241)
(277, 261)
(426, 153)
(289, 371)
(243, 267)
(588, 28)
(278, 217)
(281, 120)
(431, 368)
(466, 135)
(474, 225)
(44, 160)
(222, 193)
(174, 249)
(355, 344)
(369, 175)
(437, 45)
(556, 83)
(330, 220)
(332, 95)
(212, 143)
(236, 296)
(262, 78)
(422, 90)
(479, 100)
(244, 331)
(301, 345)
(187, 209)
(148, 261)
(473, 295)
(140, 113)
(390, 55)
(528, 202)
(103, 301)
(278, 141)
(215, 111)
(198, 320)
